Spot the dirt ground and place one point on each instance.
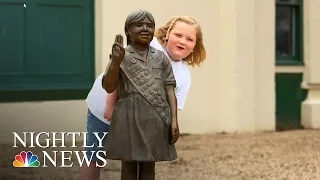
(290, 155)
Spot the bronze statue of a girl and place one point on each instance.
(144, 124)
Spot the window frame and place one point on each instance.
(298, 34)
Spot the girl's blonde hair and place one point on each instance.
(199, 52)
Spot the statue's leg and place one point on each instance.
(147, 171)
(128, 170)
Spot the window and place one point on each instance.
(46, 49)
(289, 32)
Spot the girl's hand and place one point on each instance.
(108, 114)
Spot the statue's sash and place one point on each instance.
(144, 81)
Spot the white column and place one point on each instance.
(247, 63)
(311, 106)
(265, 119)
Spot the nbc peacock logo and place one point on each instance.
(26, 159)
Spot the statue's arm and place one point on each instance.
(110, 79)
(172, 100)
(170, 84)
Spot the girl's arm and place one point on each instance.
(111, 101)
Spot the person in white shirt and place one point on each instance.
(182, 42)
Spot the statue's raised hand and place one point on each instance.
(118, 51)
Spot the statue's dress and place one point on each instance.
(141, 122)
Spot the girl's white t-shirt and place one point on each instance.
(96, 99)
